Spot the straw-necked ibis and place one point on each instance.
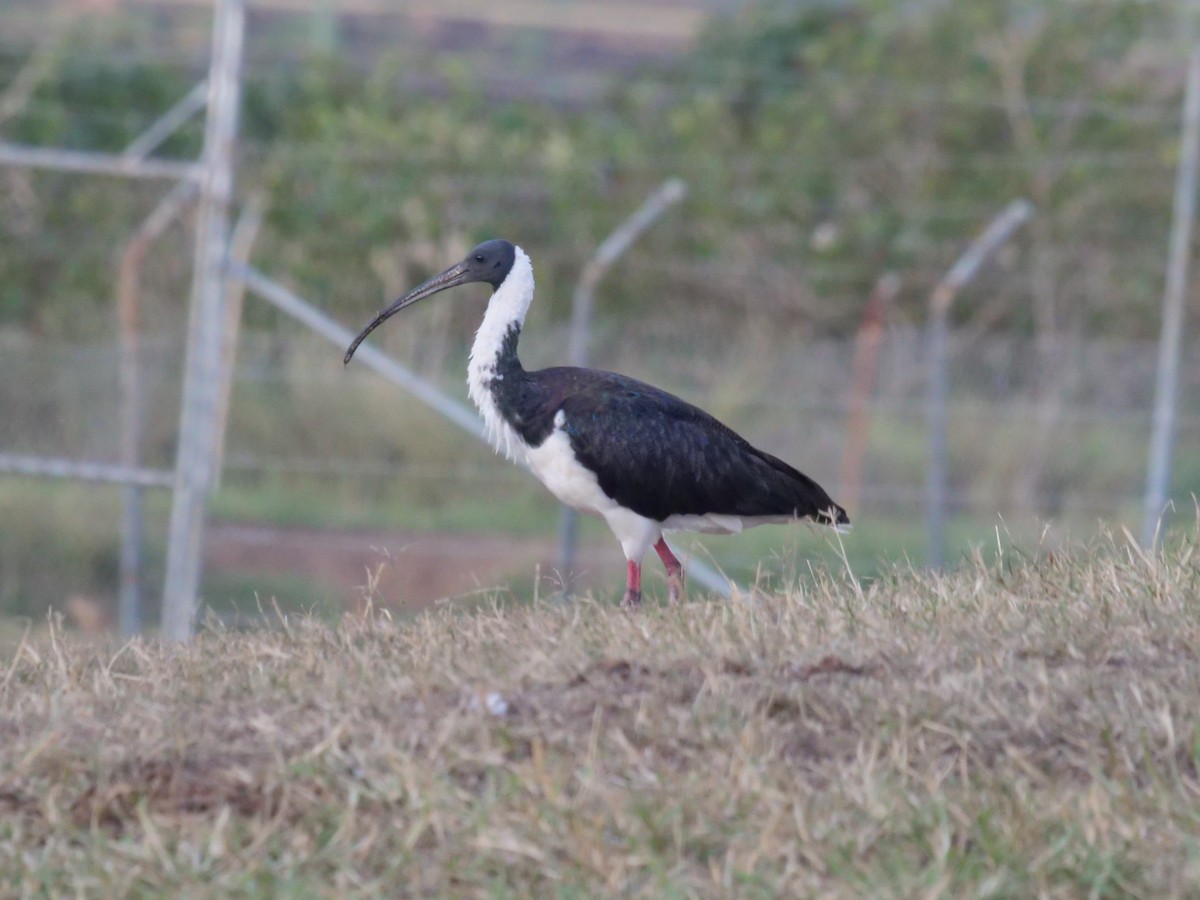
(645, 461)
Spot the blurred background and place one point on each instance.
(839, 158)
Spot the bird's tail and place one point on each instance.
(835, 517)
(807, 499)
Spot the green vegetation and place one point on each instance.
(52, 545)
(824, 143)
(1022, 728)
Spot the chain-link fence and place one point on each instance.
(1040, 436)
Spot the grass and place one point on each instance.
(509, 504)
(1027, 726)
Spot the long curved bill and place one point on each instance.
(453, 276)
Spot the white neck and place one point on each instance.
(508, 306)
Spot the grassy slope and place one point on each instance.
(1029, 727)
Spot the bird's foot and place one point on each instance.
(674, 588)
(674, 571)
(633, 586)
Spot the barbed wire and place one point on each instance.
(253, 149)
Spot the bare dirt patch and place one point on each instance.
(410, 570)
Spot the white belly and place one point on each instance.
(712, 523)
(715, 523)
(555, 466)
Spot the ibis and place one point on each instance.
(642, 459)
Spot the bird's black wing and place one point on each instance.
(661, 456)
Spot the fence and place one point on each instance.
(348, 449)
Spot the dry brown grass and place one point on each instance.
(1015, 730)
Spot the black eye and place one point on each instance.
(478, 259)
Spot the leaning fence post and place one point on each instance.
(962, 272)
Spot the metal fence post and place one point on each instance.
(999, 230)
(938, 391)
(194, 460)
(1166, 385)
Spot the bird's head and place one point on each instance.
(490, 262)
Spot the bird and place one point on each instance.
(642, 459)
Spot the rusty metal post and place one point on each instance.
(865, 367)
(129, 592)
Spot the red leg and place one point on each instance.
(633, 587)
(674, 571)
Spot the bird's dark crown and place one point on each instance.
(490, 262)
